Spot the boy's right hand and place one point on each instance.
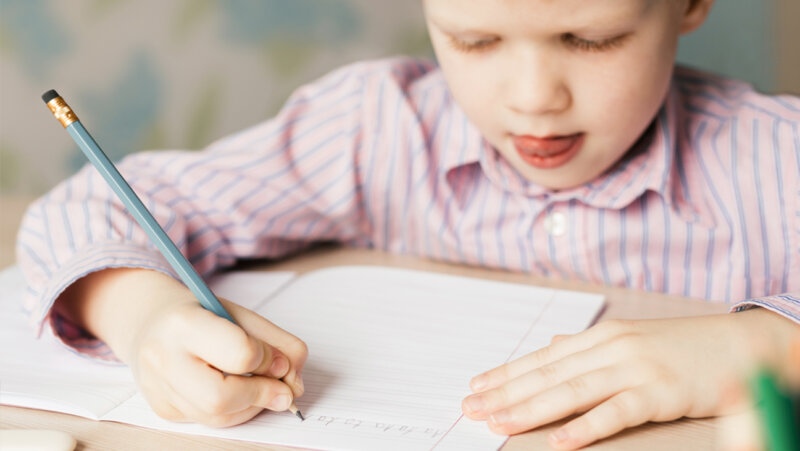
(187, 361)
(180, 358)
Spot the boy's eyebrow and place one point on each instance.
(588, 21)
(454, 29)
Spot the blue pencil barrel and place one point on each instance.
(146, 220)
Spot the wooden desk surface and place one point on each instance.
(684, 434)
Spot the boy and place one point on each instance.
(553, 140)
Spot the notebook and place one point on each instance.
(391, 354)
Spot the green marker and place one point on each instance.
(781, 426)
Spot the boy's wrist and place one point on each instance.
(114, 303)
(767, 333)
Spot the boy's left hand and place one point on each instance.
(624, 373)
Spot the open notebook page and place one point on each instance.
(391, 355)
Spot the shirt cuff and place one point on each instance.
(787, 305)
(101, 256)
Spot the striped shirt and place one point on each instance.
(378, 154)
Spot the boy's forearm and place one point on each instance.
(112, 304)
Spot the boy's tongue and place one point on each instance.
(544, 147)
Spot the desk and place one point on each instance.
(686, 435)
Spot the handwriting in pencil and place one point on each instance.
(366, 426)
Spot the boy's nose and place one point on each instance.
(537, 87)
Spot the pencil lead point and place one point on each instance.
(300, 415)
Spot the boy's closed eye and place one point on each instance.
(595, 45)
(570, 40)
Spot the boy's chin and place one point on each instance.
(560, 179)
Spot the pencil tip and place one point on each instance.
(300, 415)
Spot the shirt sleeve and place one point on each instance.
(267, 191)
(786, 304)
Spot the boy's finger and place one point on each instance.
(201, 390)
(543, 378)
(260, 327)
(272, 363)
(559, 338)
(215, 394)
(627, 409)
(565, 399)
(232, 419)
(196, 415)
(259, 391)
(228, 347)
(570, 344)
(183, 397)
(290, 346)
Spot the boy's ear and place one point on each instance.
(695, 14)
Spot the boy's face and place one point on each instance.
(561, 88)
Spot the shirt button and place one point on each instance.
(556, 224)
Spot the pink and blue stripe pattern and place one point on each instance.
(377, 154)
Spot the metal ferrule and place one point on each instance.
(62, 111)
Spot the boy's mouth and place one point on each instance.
(548, 152)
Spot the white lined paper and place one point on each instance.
(391, 355)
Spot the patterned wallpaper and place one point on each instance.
(190, 71)
(186, 71)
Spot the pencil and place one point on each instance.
(140, 213)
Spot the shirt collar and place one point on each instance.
(648, 166)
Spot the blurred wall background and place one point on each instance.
(191, 71)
